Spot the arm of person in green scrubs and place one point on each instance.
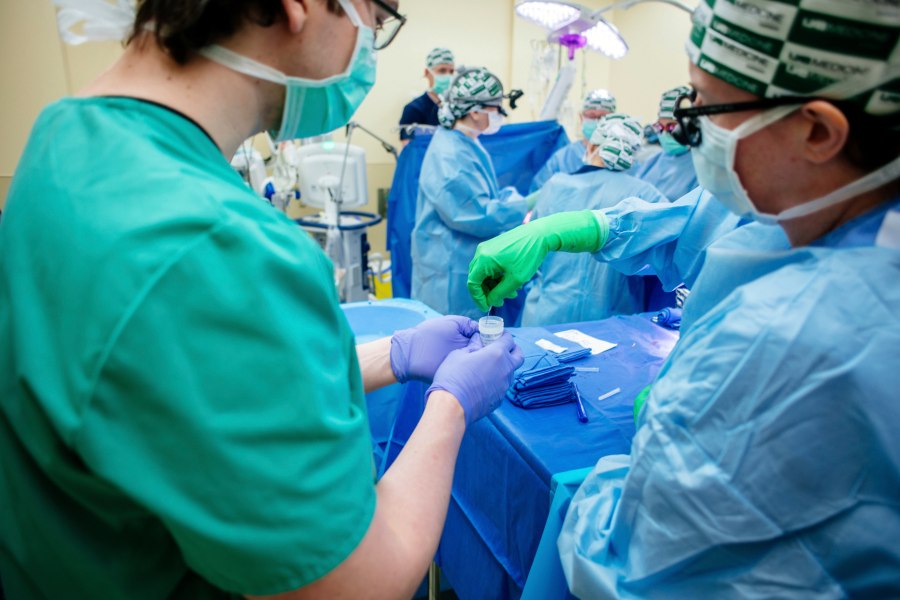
(412, 497)
(375, 364)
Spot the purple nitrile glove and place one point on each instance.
(417, 353)
(479, 376)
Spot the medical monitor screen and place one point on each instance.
(321, 169)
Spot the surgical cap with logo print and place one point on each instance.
(839, 49)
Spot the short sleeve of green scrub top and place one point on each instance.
(193, 354)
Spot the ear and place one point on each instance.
(825, 130)
(471, 120)
(296, 12)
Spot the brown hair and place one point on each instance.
(874, 141)
(182, 27)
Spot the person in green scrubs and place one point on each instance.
(182, 408)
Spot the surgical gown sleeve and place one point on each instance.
(766, 465)
(466, 199)
(670, 238)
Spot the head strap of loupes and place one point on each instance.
(472, 89)
(617, 138)
(839, 50)
(599, 99)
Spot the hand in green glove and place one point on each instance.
(639, 402)
(504, 264)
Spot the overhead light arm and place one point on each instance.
(626, 4)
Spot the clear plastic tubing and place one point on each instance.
(490, 328)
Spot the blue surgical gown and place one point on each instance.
(574, 287)
(673, 175)
(668, 239)
(459, 206)
(767, 460)
(567, 160)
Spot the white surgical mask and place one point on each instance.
(495, 121)
(714, 162)
(313, 107)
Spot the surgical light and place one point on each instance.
(574, 27)
(606, 39)
(549, 15)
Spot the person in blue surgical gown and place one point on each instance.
(766, 462)
(672, 170)
(569, 159)
(460, 203)
(574, 287)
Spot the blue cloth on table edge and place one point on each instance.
(501, 491)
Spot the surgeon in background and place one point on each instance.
(649, 147)
(440, 65)
(460, 203)
(672, 170)
(569, 159)
(574, 287)
(766, 462)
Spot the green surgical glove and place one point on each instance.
(639, 402)
(504, 264)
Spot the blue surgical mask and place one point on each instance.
(313, 107)
(588, 127)
(441, 83)
(670, 146)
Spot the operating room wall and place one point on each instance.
(656, 60)
(31, 75)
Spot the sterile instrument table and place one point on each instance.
(508, 461)
(501, 490)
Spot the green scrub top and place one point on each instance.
(182, 409)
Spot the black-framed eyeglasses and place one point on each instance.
(688, 133)
(387, 30)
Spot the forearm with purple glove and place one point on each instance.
(479, 376)
(416, 353)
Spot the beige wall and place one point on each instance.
(35, 68)
(31, 75)
(483, 41)
(656, 60)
